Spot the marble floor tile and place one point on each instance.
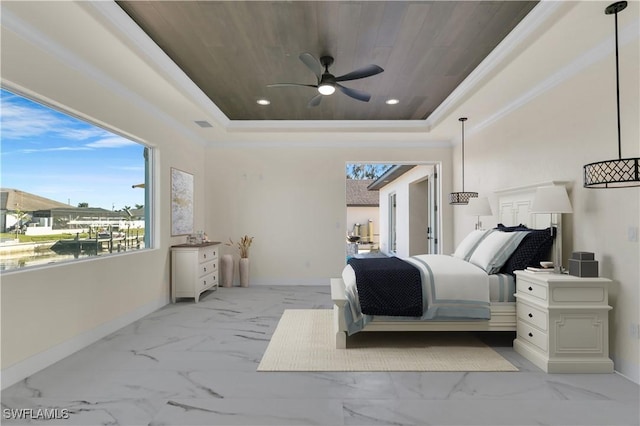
(196, 364)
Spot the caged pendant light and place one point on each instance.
(460, 198)
(623, 172)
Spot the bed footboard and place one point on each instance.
(339, 299)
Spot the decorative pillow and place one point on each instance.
(494, 250)
(534, 248)
(469, 243)
(521, 227)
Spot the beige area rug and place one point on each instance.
(304, 341)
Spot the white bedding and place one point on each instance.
(452, 289)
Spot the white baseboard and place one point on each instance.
(288, 281)
(35, 363)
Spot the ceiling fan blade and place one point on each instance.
(363, 72)
(291, 85)
(355, 94)
(312, 63)
(315, 101)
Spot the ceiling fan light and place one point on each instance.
(326, 89)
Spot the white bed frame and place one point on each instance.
(513, 209)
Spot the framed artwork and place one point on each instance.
(181, 202)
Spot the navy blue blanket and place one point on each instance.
(388, 286)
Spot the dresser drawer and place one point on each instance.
(208, 253)
(533, 316)
(208, 280)
(208, 267)
(533, 335)
(532, 289)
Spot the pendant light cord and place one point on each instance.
(462, 120)
(618, 87)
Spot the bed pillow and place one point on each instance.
(535, 248)
(469, 243)
(494, 250)
(521, 227)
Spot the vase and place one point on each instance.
(226, 265)
(244, 272)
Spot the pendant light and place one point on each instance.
(623, 172)
(458, 198)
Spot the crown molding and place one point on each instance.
(628, 34)
(513, 42)
(36, 37)
(146, 47)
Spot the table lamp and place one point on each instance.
(479, 207)
(555, 201)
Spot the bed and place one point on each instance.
(487, 290)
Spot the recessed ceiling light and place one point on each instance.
(392, 101)
(263, 101)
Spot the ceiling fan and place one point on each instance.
(327, 82)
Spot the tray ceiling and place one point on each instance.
(233, 49)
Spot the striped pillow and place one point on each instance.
(469, 243)
(494, 250)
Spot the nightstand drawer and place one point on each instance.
(533, 335)
(532, 289)
(533, 316)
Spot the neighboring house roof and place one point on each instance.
(359, 196)
(14, 199)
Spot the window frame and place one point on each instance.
(150, 153)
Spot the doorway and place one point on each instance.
(407, 215)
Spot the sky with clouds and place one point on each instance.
(57, 156)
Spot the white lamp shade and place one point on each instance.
(479, 207)
(551, 199)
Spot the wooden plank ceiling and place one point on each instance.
(233, 49)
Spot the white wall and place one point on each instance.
(564, 117)
(403, 233)
(275, 194)
(49, 312)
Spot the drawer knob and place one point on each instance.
(530, 315)
(205, 269)
(530, 334)
(205, 256)
(530, 288)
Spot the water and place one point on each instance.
(10, 261)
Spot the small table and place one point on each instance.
(563, 322)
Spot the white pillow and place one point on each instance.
(469, 243)
(494, 250)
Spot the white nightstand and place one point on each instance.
(563, 322)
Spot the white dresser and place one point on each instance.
(563, 322)
(194, 269)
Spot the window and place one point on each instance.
(70, 189)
